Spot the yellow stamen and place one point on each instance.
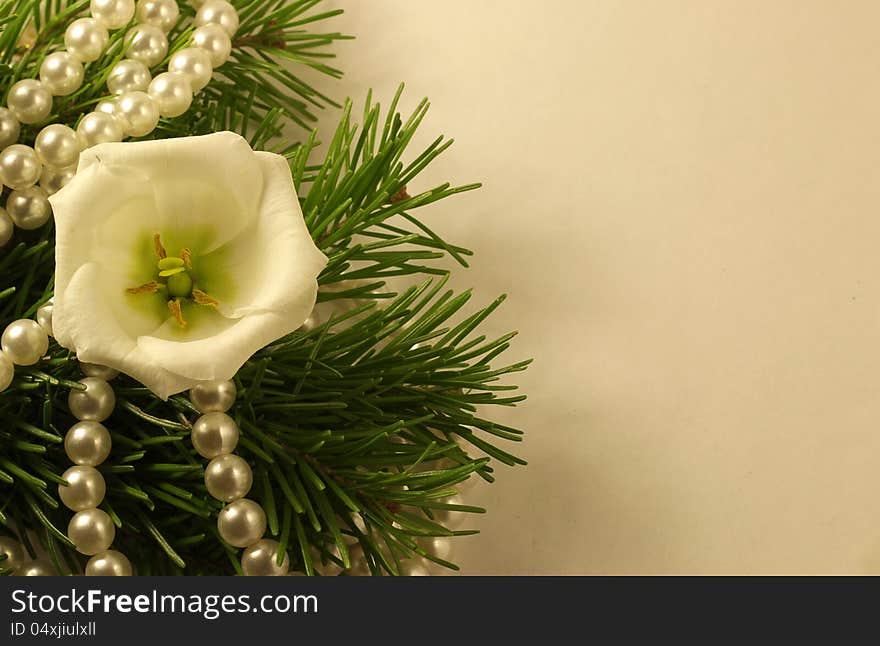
(157, 246)
(177, 312)
(186, 254)
(202, 298)
(147, 288)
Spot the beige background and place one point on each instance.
(681, 198)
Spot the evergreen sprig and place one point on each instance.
(253, 83)
(358, 429)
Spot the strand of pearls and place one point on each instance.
(18, 561)
(228, 478)
(23, 343)
(52, 159)
(134, 112)
(88, 444)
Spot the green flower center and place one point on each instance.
(174, 281)
(177, 279)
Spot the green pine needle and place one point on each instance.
(358, 429)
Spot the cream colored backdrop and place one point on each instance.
(681, 198)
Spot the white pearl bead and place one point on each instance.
(95, 403)
(138, 113)
(228, 477)
(128, 76)
(161, 13)
(467, 485)
(241, 523)
(359, 564)
(109, 563)
(7, 228)
(440, 546)
(214, 434)
(85, 488)
(194, 64)
(24, 342)
(29, 101)
(111, 107)
(29, 207)
(36, 568)
(86, 39)
(87, 443)
(113, 14)
(325, 565)
(19, 166)
(101, 372)
(7, 371)
(413, 567)
(147, 44)
(107, 107)
(53, 180)
(14, 551)
(9, 128)
(172, 94)
(57, 146)
(213, 396)
(98, 128)
(449, 518)
(214, 40)
(260, 559)
(61, 73)
(218, 12)
(44, 316)
(91, 531)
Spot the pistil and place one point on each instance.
(174, 277)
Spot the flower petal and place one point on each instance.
(220, 356)
(272, 264)
(237, 212)
(106, 342)
(91, 213)
(207, 188)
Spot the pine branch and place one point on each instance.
(357, 429)
(256, 80)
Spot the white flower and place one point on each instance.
(242, 264)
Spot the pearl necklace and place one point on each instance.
(135, 112)
(242, 522)
(140, 100)
(228, 478)
(91, 530)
